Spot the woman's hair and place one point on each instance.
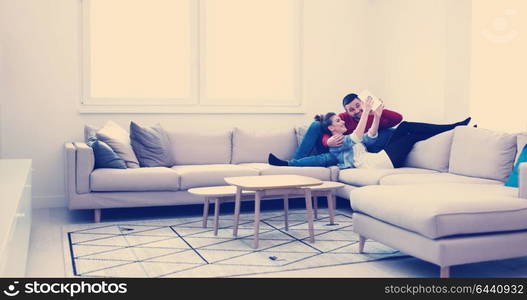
(325, 121)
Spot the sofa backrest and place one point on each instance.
(207, 147)
(433, 153)
(255, 145)
(482, 153)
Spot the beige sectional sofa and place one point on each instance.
(450, 218)
(447, 206)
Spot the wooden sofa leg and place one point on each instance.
(97, 215)
(362, 241)
(445, 272)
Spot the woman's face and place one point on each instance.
(337, 125)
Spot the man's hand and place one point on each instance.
(335, 140)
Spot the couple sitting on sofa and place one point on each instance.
(342, 139)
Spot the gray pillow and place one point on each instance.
(151, 145)
(105, 157)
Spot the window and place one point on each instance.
(191, 56)
(138, 52)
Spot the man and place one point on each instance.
(314, 152)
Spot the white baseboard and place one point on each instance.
(48, 201)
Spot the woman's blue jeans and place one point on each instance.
(312, 153)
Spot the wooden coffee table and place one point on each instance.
(326, 189)
(216, 194)
(272, 185)
(220, 194)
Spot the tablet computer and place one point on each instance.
(376, 101)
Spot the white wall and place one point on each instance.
(419, 51)
(2, 89)
(3, 75)
(396, 48)
(458, 51)
(498, 67)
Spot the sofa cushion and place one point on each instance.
(210, 175)
(136, 179)
(398, 179)
(362, 177)
(482, 153)
(104, 155)
(200, 148)
(255, 145)
(119, 139)
(315, 172)
(439, 210)
(151, 145)
(433, 153)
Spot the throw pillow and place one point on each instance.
(513, 179)
(90, 132)
(151, 145)
(105, 157)
(483, 153)
(119, 140)
(433, 153)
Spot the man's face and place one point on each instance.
(354, 109)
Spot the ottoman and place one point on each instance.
(446, 224)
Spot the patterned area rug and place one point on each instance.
(183, 248)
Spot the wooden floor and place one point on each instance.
(46, 253)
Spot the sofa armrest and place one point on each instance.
(69, 169)
(522, 180)
(85, 161)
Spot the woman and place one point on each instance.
(352, 153)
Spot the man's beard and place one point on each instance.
(356, 117)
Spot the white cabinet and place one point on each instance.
(15, 216)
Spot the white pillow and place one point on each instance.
(119, 140)
(482, 153)
(252, 146)
(432, 153)
(206, 147)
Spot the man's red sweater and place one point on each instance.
(389, 118)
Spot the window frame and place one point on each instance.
(195, 103)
